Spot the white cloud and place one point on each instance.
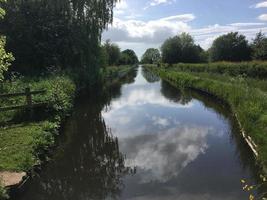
(246, 24)
(184, 18)
(121, 7)
(159, 2)
(261, 5)
(163, 155)
(263, 17)
(160, 121)
(140, 35)
(153, 31)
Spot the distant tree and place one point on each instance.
(151, 56)
(230, 47)
(259, 47)
(181, 48)
(128, 57)
(171, 50)
(113, 53)
(5, 58)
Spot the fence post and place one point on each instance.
(28, 97)
(29, 101)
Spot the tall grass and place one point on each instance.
(255, 69)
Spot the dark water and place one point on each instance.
(146, 140)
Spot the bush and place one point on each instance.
(60, 91)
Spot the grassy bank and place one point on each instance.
(114, 72)
(26, 142)
(255, 69)
(248, 103)
(24, 139)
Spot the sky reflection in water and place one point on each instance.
(181, 149)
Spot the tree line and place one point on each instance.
(232, 47)
(112, 55)
(55, 35)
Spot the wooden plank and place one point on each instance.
(21, 94)
(22, 106)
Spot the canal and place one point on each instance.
(144, 140)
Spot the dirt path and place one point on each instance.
(11, 178)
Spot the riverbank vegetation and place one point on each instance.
(249, 103)
(48, 55)
(233, 70)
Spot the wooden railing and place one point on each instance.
(28, 100)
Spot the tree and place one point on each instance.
(259, 47)
(181, 48)
(59, 34)
(113, 53)
(151, 56)
(5, 58)
(230, 47)
(128, 57)
(171, 50)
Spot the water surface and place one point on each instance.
(146, 140)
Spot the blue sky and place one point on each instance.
(139, 25)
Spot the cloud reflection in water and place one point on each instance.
(161, 156)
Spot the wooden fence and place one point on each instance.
(28, 100)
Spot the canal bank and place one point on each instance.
(15, 170)
(248, 105)
(144, 136)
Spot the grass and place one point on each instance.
(114, 71)
(247, 100)
(24, 141)
(254, 69)
(23, 144)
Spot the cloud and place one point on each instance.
(246, 24)
(121, 7)
(158, 2)
(161, 156)
(140, 34)
(263, 17)
(153, 31)
(160, 121)
(261, 5)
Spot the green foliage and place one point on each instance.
(60, 91)
(253, 69)
(128, 57)
(60, 34)
(151, 56)
(259, 47)
(112, 73)
(112, 52)
(181, 48)
(248, 103)
(5, 58)
(230, 47)
(103, 57)
(22, 144)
